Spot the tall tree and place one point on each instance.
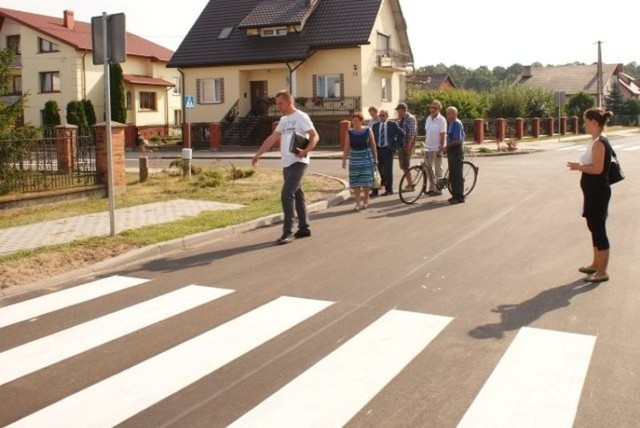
(51, 114)
(615, 100)
(118, 100)
(10, 112)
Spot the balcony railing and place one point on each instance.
(320, 106)
(392, 59)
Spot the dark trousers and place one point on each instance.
(292, 197)
(455, 156)
(385, 166)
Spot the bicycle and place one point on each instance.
(419, 174)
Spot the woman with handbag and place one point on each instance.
(594, 166)
(360, 149)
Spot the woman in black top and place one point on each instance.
(594, 165)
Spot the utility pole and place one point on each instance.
(599, 77)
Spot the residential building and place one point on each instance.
(431, 82)
(54, 61)
(334, 56)
(571, 79)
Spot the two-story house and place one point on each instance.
(334, 56)
(54, 62)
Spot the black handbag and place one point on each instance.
(298, 142)
(615, 171)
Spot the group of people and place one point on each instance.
(369, 150)
(372, 148)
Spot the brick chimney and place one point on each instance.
(68, 19)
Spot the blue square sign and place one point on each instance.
(188, 102)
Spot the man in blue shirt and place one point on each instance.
(455, 155)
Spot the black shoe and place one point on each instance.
(456, 201)
(387, 193)
(302, 233)
(373, 194)
(433, 193)
(285, 238)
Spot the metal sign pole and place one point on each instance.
(107, 97)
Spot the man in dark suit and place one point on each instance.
(389, 136)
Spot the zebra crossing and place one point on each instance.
(537, 382)
(581, 148)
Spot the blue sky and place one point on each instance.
(467, 32)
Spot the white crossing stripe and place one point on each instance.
(566, 149)
(61, 299)
(40, 353)
(537, 383)
(631, 149)
(331, 392)
(121, 396)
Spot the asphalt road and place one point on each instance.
(424, 315)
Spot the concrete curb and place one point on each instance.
(160, 249)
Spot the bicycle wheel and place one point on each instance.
(407, 195)
(470, 176)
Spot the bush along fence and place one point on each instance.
(64, 158)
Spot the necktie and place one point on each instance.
(383, 135)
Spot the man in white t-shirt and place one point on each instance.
(435, 128)
(294, 166)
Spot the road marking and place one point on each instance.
(54, 348)
(537, 383)
(121, 396)
(331, 392)
(565, 149)
(631, 149)
(61, 299)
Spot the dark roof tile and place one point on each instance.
(278, 12)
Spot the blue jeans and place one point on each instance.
(292, 197)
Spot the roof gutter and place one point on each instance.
(182, 82)
(292, 70)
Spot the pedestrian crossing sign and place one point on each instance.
(188, 102)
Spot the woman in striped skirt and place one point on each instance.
(360, 149)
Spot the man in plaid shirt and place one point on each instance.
(409, 123)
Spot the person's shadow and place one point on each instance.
(515, 316)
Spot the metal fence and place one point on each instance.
(48, 163)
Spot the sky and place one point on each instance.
(470, 33)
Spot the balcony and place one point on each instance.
(389, 58)
(320, 106)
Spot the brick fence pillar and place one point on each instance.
(117, 152)
(551, 123)
(344, 127)
(66, 137)
(575, 124)
(519, 128)
(535, 127)
(563, 125)
(501, 129)
(478, 130)
(215, 135)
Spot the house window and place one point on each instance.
(148, 101)
(273, 32)
(177, 117)
(384, 42)
(210, 91)
(386, 89)
(226, 31)
(50, 81)
(46, 46)
(328, 86)
(177, 84)
(13, 44)
(129, 101)
(16, 86)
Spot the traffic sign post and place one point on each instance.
(189, 104)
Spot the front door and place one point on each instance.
(259, 97)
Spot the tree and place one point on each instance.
(10, 113)
(633, 107)
(118, 100)
(615, 100)
(89, 112)
(76, 116)
(579, 103)
(51, 114)
(480, 80)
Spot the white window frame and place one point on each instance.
(210, 91)
(177, 86)
(384, 42)
(386, 93)
(324, 82)
(273, 32)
